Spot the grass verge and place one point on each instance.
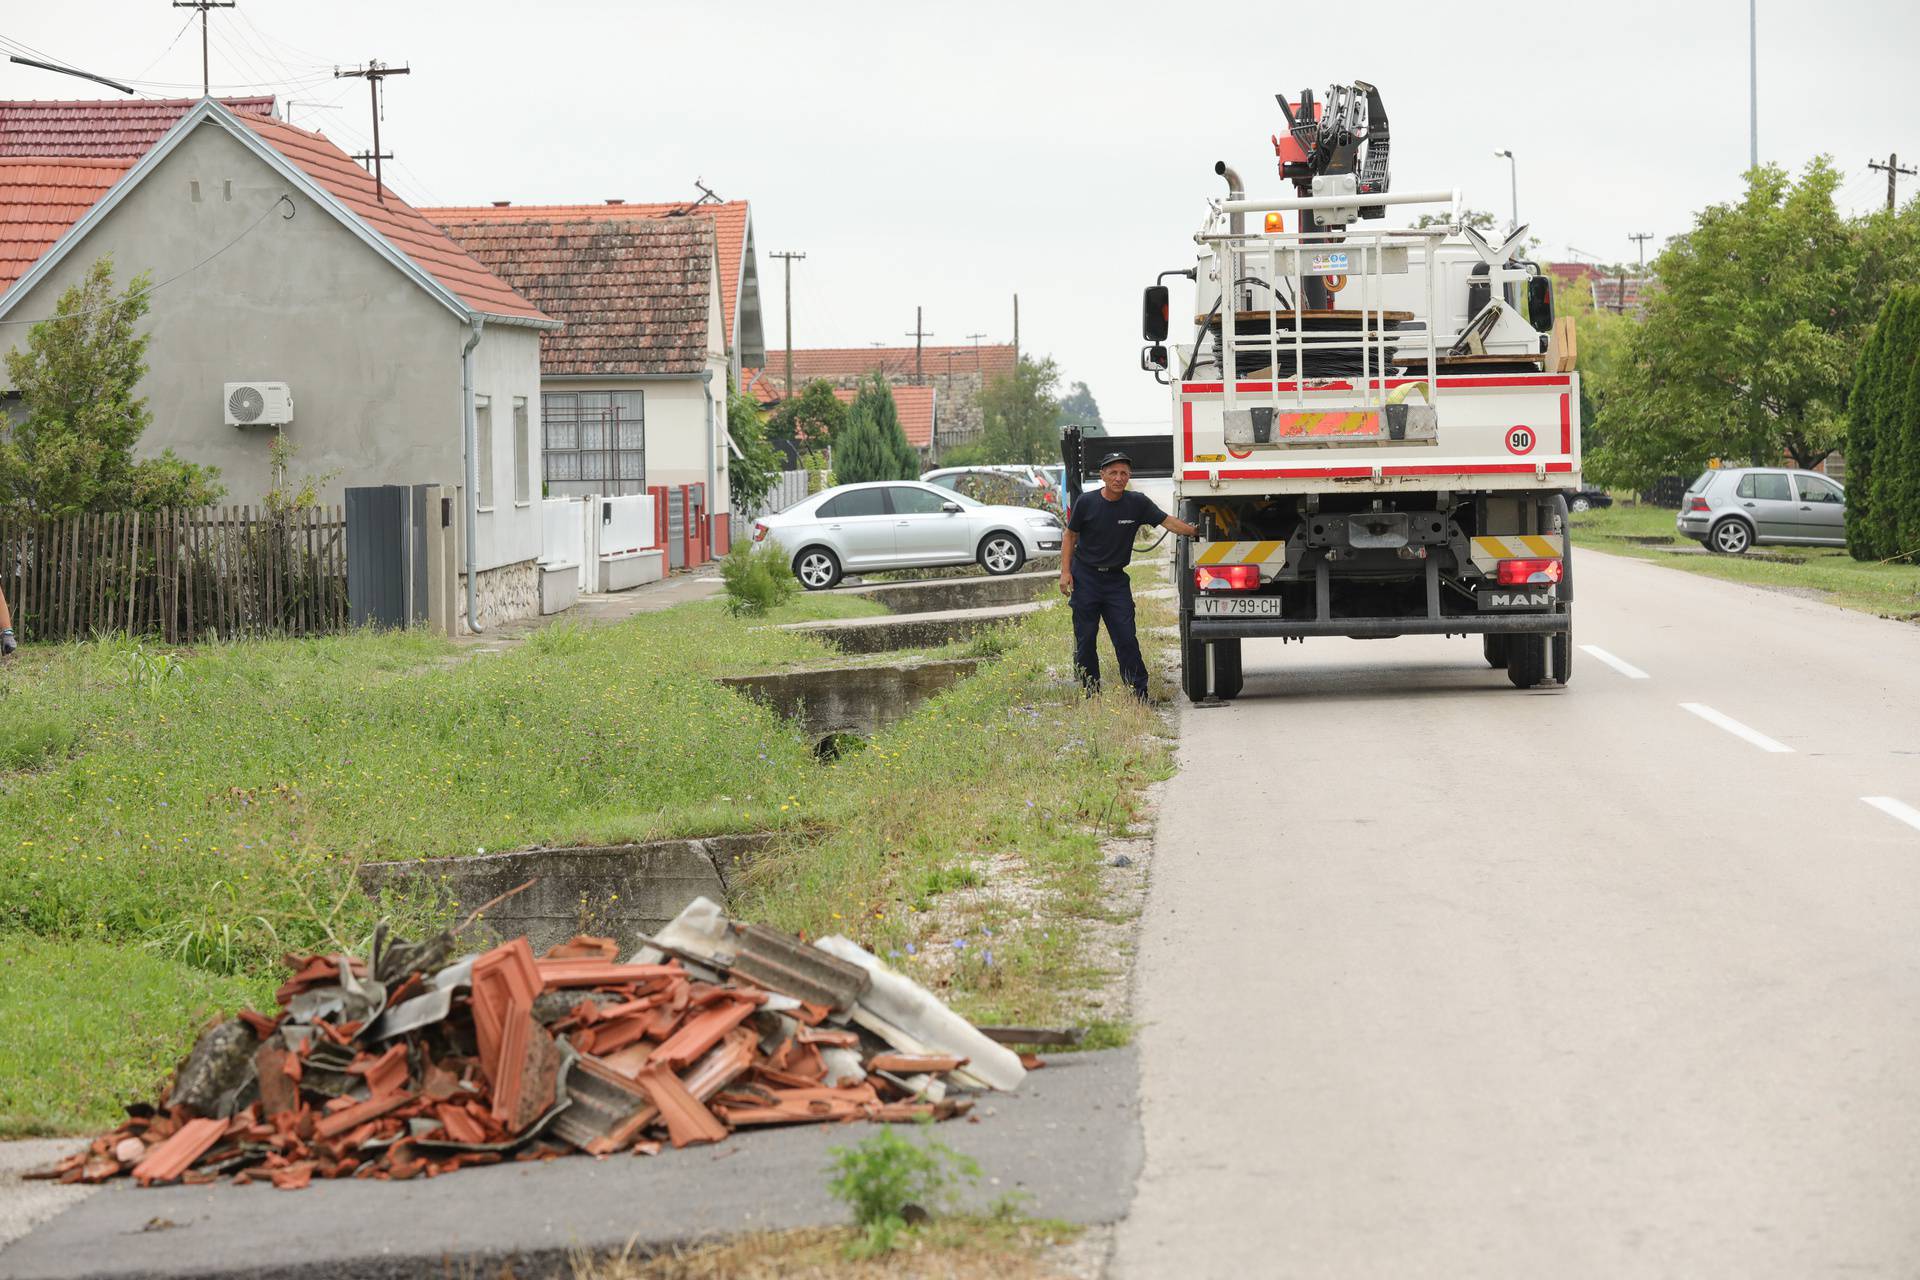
(960, 1248)
(1647, 533)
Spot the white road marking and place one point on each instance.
(1735, 728)
(1626, 669)
(1895, 809)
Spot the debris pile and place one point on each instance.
(409, 1065)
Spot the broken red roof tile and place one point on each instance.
(170, 1159)
(358, 1113)
(599, 973)
(913, 1064)
(700, 1034)
(583, 946)
(688, 1121)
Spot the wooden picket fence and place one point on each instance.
(180, 575)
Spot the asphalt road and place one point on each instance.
(1440, 978)
(1066, 1143)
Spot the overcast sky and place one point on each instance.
(950, 156)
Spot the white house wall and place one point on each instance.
(507, 364)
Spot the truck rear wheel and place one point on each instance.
(1193, 669)
(1563, 654)
(1227, 677)
(1495, 647)
(1527, 660)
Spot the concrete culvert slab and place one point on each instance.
(930, 595)
(859, 701)
(913, 630)
(615, 890)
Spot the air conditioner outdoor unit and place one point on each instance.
(259, 404)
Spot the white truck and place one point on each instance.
(1374, 428)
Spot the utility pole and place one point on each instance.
(1753, 84)
(1641, 238)
(919, 333)
(787, 260)
(374, 72)
(1016, 332)
(1513, 180)
(1893, 171)
(206, 82)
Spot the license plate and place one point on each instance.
(1237, 607)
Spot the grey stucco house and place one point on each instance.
(275, 259)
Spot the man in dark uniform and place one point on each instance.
(1093, 570)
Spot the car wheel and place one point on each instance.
(1526, 660)
(817, 568)
(1580, 503)
(1495, 647)
(1732, 537)
(1001, 553)
(1228, 679)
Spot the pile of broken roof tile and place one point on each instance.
(410, 1065)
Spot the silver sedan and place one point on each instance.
(903, 525)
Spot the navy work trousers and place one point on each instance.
(1101, 596)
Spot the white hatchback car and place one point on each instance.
(900, 524)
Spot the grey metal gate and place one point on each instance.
(386, 555)
(676, 528)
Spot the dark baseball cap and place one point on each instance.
(1110, 459)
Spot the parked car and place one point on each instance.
(1732, 509)
(904, 525)
(1588, 499)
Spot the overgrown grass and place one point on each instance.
(1647, 533)
(167, 839)
(997, 1247)
(86, 1026)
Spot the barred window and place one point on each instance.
(596, 440)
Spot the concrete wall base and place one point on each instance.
(618, 891)
(631, 571)
(559, 587)
(503, 594)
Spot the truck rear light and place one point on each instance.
(759, 531)
(1227, 577)
(1698, 503)
(1515, 573)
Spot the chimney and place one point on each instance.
(616, 202)
(501, 204)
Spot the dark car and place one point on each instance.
(1588, 499)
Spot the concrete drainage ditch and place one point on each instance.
(616, 890)
(833, 702)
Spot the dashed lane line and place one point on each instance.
(1735, 728)
(1625, 668)
(1898, 810)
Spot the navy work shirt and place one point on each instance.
(1104, 528)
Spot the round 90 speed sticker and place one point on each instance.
(1520, 440)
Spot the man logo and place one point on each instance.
(1518, 599)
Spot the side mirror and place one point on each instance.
(1540, 303)
(1153, 313)
(1154, 359)
(952, 508)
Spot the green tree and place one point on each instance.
(759, 464)
(872, 446)
(810, 420)
(1875, 473)
(1078, 406)
(71, 449)
(1478, 219)
(1748, 348)
(1020, 416)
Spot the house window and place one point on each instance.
(594, 441)
(522, 482)
(483, 448)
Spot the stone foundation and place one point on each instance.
(501, 595)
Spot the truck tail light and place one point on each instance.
(1698, 503)
(759, 531)
(1516, 573)
(1227, 577)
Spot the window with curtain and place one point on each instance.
(595, 438)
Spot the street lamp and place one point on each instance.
(1513, 172)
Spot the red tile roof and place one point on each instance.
(633, 294)
(114, 129)
(397, 222)
(895, 362)
(729, 217)
(39, 200)
(915, 405)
